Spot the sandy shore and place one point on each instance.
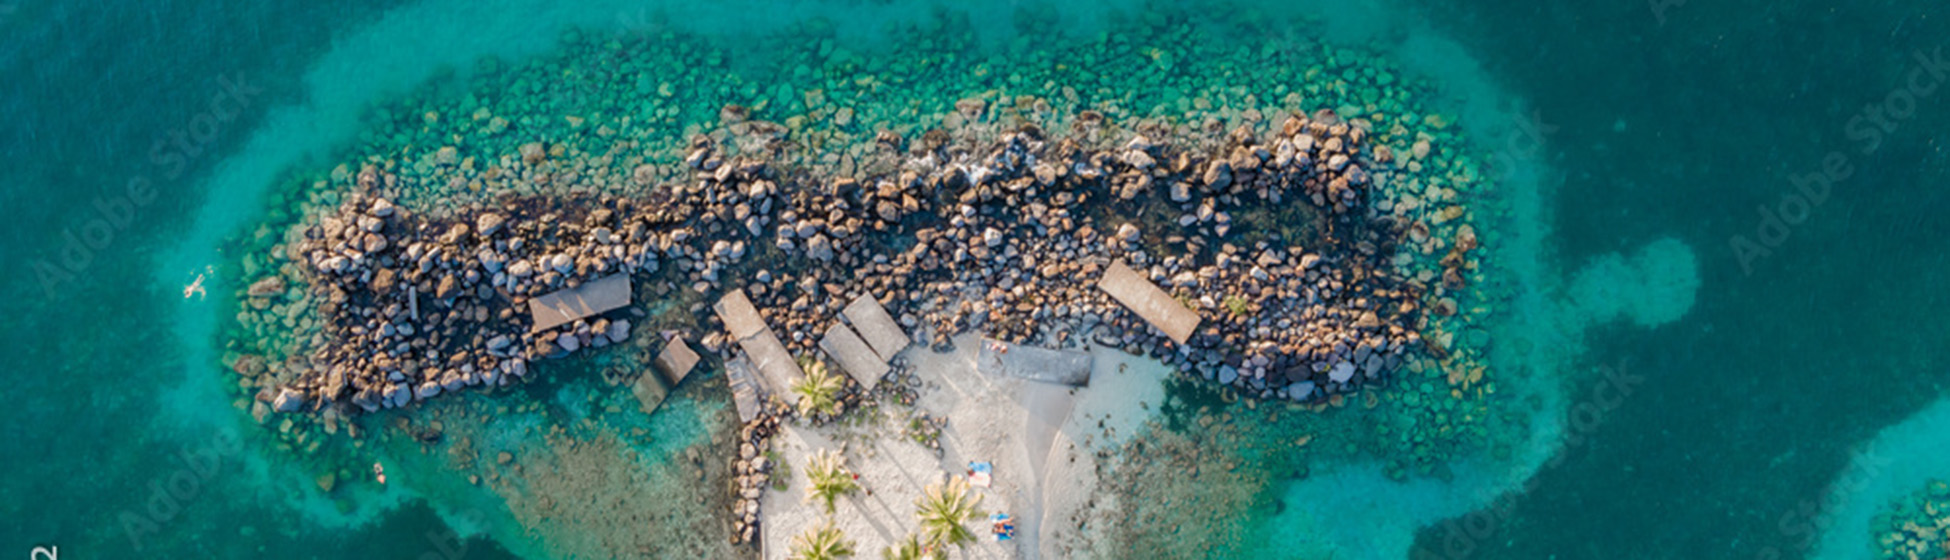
(1042, 439)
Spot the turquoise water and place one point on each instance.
(1694, 385)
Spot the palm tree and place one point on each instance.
(828, 478)
(819, 391)
(821, 543)
(943, 510)
(909, 549)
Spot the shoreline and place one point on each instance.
(1111, 147)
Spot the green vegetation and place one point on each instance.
(821, 543)
(782, 471)
(827, 478)
(922, 431)
(819, 391)
(909, 549)
(1238, 306)
(943, 511)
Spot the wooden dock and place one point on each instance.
(740, 374)
(677, 360)
(1149, 302)
(854, 355)
(776, 368)
(865, 347)
(673, 365)
(876, 326)
(569, 305)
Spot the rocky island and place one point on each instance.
(1301, 245)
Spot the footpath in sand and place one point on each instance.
(1043, 440)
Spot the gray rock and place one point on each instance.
(819, 247)
(1342, 372)
(619, 330)
(269, 286)
(1308, 261)
(1300, 391)
(1218, 176)
(289, 400)
(489, 223)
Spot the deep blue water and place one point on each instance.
(1678, 121)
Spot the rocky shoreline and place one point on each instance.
(1917, 526)
(994, 232)
(1323, 231)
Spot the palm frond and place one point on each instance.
(944, 509)
(819, 391)
(824, 542)
(909, 549)
(827, 478)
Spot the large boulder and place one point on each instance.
(288, 400)
(489, 223)
(269, 286)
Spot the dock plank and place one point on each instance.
(740, 317)
(650, 390)
(853, 354)
(739, 374)
(1149, 302)
(677, 360)
(568, 305)
(876, 326)
(776, 368)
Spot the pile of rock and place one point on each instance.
(753, 472)
(1918, 525)
(988, 228)
(996, 236)
(415, 305)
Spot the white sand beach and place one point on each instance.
(1042, 440)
